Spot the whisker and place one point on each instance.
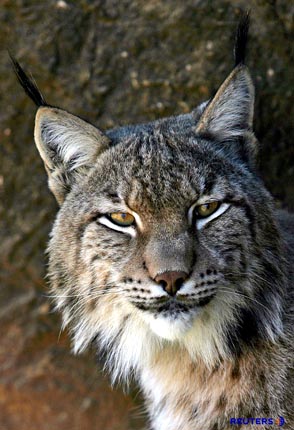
(87, 294)
(246, 296)
(252, 278)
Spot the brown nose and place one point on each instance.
(171, 282)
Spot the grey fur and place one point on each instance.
(223, 346)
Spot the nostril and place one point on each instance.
(163, 284)
(171, 281)
(179, 282)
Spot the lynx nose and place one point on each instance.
(171, 282)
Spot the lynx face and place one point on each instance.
(169, 265)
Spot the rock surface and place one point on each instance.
(112, 62)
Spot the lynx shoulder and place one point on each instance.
(167, 253)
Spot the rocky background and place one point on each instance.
(112, 62)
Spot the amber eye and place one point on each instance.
(122, 219)
(203, 211)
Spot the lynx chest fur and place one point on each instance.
(167, 255)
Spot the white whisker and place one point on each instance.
(246, 296)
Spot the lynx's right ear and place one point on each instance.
(68, 147)
(230, 112)
(228, 117)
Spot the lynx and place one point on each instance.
(168, 256)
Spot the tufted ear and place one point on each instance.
(230, 112)
(228, 117)
(67, 145)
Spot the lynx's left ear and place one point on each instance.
(228, 117)
(230, 112)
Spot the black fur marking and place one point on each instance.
(241, 39)
(173, 308)
(95, 257)
(81, 230)
(126, 318)
(195, 413)
(140, 306)
(205, 300)
(222, 402)
(28, 84)
(250, 216)
(236, 371)
(245, 332)
(114, 197)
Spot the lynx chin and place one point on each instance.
(168, 256)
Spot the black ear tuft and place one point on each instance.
(28, 84)
(241, 39)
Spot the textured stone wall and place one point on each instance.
(112, 62)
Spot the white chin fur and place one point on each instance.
(170, 328)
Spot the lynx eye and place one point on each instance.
(122, 219)
(202, 214)
(203, 211)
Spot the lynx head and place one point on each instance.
(165, 235)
